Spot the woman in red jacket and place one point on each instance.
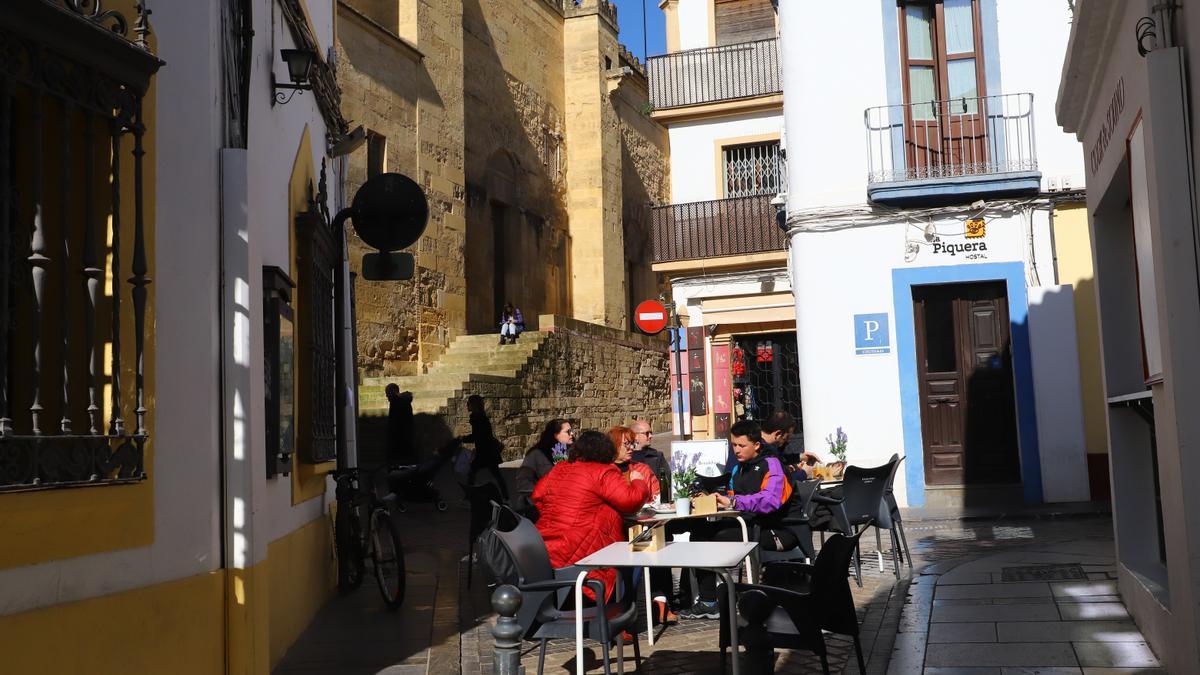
(581, 501)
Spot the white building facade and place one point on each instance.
(1130, 71)
(718, 91)
(926, 172)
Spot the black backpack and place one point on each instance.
(494, 560)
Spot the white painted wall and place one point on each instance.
(825, 95)
(275, 134)
(824, 105)
(1059, 403)
(695, 152)
(693, 24)
(843, 271)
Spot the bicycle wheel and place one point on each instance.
(347, 532)
(388, 557)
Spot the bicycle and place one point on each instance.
(379, 540)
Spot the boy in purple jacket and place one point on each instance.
(758, 488)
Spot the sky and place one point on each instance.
(629, 14)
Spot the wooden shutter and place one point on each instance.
(744, 21)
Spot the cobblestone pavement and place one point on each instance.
(444, 627)
(691, 647)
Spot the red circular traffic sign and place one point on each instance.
(650, 317)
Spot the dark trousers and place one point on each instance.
(728, 529)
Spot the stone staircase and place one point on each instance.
(468, 358)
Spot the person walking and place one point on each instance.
(399, 426)
(488, 448)
(512, 323)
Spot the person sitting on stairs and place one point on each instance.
(512, 323)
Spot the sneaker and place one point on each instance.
(701, 610)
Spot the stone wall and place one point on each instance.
(595, 376)
(526, 127)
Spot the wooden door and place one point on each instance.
(968, 419)
(946, 113)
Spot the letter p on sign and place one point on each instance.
(871, 334)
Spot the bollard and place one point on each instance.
(506, 600)
(755, 607)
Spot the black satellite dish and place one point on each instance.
(390, 212)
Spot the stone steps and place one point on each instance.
(469, 358)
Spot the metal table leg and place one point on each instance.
(733, 616)
(649, 607)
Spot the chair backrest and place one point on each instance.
(863, 490)
(830, 584)
(802, 494)
(889, 499)
(528, 551)
(532, 560)
(806, 628)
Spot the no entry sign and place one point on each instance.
(650, 317)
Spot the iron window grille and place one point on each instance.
(754, 169)
(73, 283)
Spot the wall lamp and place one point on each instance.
(299, 64)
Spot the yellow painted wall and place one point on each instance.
(175, 627)
(1074, 252)
(301, 576)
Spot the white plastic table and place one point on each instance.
(714, 556)
(659, 519)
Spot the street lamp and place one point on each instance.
(299, 64)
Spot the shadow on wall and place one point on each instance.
(516, 242)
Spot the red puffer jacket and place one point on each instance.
(581, 505)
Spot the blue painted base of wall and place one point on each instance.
(1013, 274)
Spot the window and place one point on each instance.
(740, 21)
(942, 56)
(754, 169)
(376, 154)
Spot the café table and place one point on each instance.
(718, 557)
(661, 518)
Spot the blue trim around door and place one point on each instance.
(1013, 274)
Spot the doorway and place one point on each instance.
(965, 378)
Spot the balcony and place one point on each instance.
(721, 227)
(939, 152)
(714, 74)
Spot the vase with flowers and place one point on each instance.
(837, 447)
(683, 475)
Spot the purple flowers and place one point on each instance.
(558, 453)
(837, 444)
(683, 471)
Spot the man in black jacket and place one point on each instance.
(642, 452)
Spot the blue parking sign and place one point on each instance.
(871, 334)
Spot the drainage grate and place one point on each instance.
(1043, 573)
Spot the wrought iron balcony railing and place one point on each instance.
(721, 227)
(74, 264)
(961, 137)
(714, 74)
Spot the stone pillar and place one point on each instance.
(593, 145)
